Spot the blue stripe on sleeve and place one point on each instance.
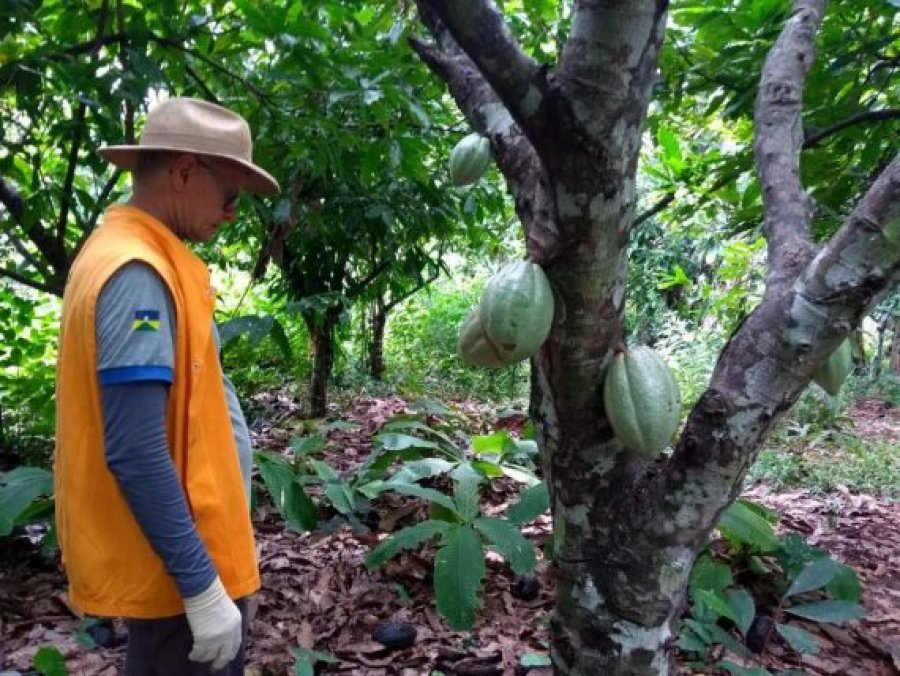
(135, 374)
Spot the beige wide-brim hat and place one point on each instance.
(193, 126)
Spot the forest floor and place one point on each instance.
(317, 592)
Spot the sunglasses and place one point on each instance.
(232, 195)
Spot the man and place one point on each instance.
(152, 463)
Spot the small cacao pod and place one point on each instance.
(642, 400)
(832, 374)
(474, 346)
(469, 159)
(516, 310)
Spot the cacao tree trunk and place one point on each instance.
(321, 331)
(566, 137)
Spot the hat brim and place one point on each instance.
(259, 181)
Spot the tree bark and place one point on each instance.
(895, 347)
(567, 138)
(321, 331)
(378, 319)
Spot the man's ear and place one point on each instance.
(180, 171)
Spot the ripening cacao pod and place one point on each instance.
(642, 400)
(469, 159)
(516, 310)
(474, 346)
(831, 375)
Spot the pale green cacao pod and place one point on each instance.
(469, 159)
(642, 401)
(516, 310)
(474, 346)
(832, 374)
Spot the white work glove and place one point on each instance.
(216, 625)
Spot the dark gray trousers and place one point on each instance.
(161, 648)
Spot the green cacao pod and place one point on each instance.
(474, 346)
(642, 401)
(516, 310)
(834, 371)
(469, 159)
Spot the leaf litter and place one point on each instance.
(317, 593)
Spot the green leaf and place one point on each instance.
(407, 538)
(467, 497)
(307, 445)
(744, 608)
(18, 489)
(829, 611)
(393, 441)
(533, 502)
(815, 575)
(738, 670)
(845, 586)
(306, 660)
(799, 639)
(421, 492)
(458, 570)
(506, 539)
(710, 574)
(50, 662)
(415, 470)
(295, 506)
(739, 522)
(716, 602)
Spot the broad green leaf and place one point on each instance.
(467, 497)
(415, 470)
(18, 489)
(744, 608)
(307, 445)
(506, 538)
(295, 506)
(407, 538)
(845, 586)
(738, 670)
(393, 441)
(741, 523)
(719, 635)
(829, 611)
(458, 571)
(533, 502)
(341, 497)
(520, 474)
(418, 491)
(691, 642)
(50, 662)
(716, 602)
(324, 471)
(710, 574)
(799, 639)
(815, 575)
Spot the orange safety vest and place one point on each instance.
(112, 569)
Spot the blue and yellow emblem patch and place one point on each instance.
(145, 320)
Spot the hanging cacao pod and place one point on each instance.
(516, 310)
(469, 159)
(832, 374)
(474, 346)
(642, 400)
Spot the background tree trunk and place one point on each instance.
(321, 331)
(378, 321)
(895, 347)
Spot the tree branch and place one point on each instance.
(33, 283)
(79, 120)
(516, 157)
(817, 137)
(478, 28)
(779, 138)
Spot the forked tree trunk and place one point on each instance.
(566, 138)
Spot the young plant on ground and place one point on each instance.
(463, 534)
(757, 587)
